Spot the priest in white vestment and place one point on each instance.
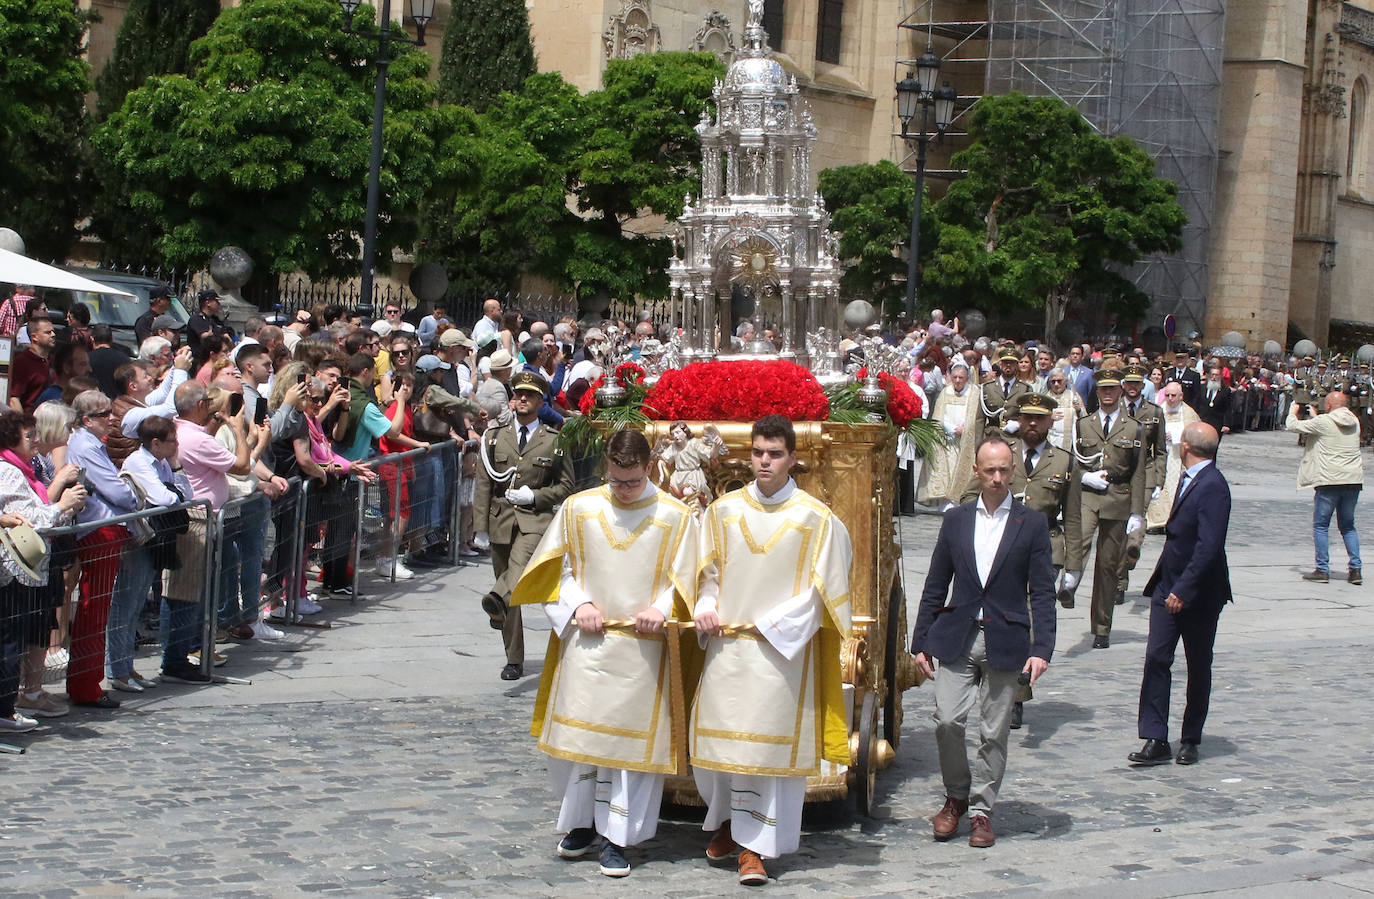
(772, 609)
(614, 565)
(1177, 416)
(945, 474)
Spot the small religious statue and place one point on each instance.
(684, 459)
(755, 11)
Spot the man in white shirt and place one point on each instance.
(489, 325)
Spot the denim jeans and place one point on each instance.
(135, 578)
(252, 537)
(1340, 499)
(181, 625)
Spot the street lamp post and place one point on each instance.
(916, 94)
(421, 11)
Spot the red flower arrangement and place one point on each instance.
(737, 391)
(903, 403)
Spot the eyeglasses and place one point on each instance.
(400, 352)
(393, 312)
(105, 414)
(316, 399)
(628, 485)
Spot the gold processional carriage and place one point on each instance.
(851, 468)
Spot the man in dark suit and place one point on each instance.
(1214, 401)
(998, 623)
(1190, 586)
(1184, 373)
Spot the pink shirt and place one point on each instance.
(206, 462)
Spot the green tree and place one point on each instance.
(1050, 213)
(43, 82)
(265, 143)
(870, 207)
(487, 50)
(558, 184)
(154, 39)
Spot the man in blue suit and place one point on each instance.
(1190, 586)
(997, 627)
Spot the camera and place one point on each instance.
(85, 481)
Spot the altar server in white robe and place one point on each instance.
(945, 474)
(616, 562)
(772, 609)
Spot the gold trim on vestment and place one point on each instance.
(601, 728)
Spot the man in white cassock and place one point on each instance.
(772, 608)
(615, 563)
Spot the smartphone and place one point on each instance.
(300, 378)
(235, 404)
(260, 411)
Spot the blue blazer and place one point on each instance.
(1192, 564)
(1017, 601)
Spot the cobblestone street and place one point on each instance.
(383, 756)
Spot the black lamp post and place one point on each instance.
(916, 94)
(421, 11)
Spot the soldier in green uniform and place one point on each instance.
(524, 475)
(1041, 477)
(1110, 492)
(1151, 418)
(999, 397)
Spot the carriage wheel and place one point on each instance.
(866, 763)
(892, 643)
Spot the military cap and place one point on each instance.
(1344, 360)
(1107, 377)
(531, 381)
(1308, 360)
(1035, 404)
(1008, 354)
(1321, 362)
(1134, 373)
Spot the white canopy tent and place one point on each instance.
(17, 269)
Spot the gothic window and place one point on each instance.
(1358, 149)
(828, 22)
(772, 23)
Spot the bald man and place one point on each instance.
(1190, 586)
(1332, 465)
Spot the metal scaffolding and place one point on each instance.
(1149, 69)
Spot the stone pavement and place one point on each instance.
(384, 757)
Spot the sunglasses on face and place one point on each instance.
(105, 414)
(400, 352)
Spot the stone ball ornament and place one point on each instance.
(1365, 354)
(231, 267)
(1304, 348)
(973, 323)
(859, 314)
(428, 281)
(10, 240)
(1233, 338)
(1273, 348)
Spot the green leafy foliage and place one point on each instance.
(154, 39)
(487, 50)
(1049, 213)
(43, 125)
(552, 182)
(870, 207)
(264, 144)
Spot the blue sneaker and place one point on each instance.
(613, 863)
(578, 842)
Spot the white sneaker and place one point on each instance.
(384, 565)
(307, 606)
(403, 573)
(264, 631)
(17, 724)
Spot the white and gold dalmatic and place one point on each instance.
(770, 704)
(605, 707)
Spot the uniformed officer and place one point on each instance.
(1363, 400)
(1151, 418)
(1320, 385)
(1041, 477)
(1110, 491)
(1000, 395)
(524, 475)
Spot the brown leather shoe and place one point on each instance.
(1355, 577)
(1317, 575)
(751, 871)
(946, 821)
(980, 835)
(722, 845)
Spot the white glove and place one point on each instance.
(1011, 427)
(1070, 580)
(481, 540)
(520, 496)
(1154, 495)
(1095, 479)
(1134, 523)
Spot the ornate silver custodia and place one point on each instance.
(759, 234)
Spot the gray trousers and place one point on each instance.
(957, 684)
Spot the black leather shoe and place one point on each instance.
(1154, 752)
(1187, 754)
(106, 701)
(1016, 712)
(1066, 598)
(512, 672)
(1102, 641)
(495, 607)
